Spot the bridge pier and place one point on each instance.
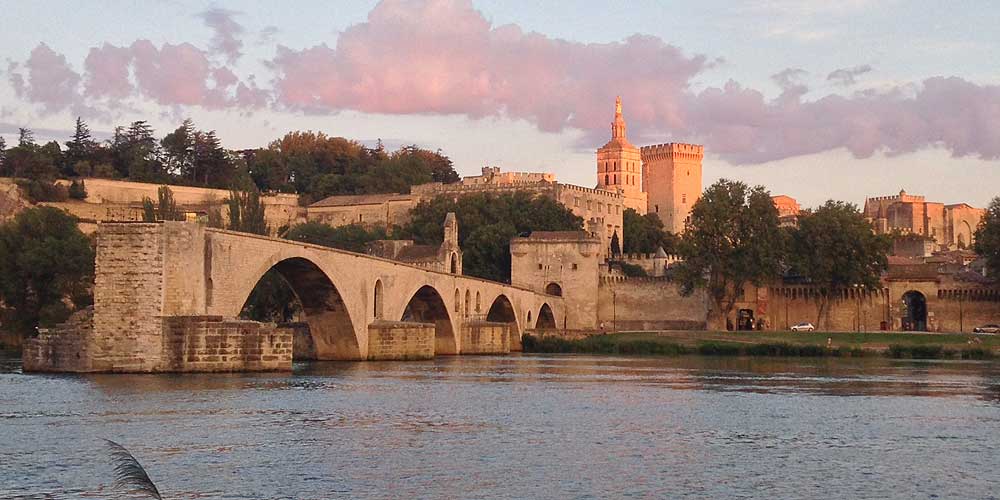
(485, 337)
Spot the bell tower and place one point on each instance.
(619, 165)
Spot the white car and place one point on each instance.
(988, 329)
(803, 327)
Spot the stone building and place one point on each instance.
(110, 200)
(446, 257)
(564, 264)
(619, 165)
(788, 210)
(950, 226)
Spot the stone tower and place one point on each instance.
(672, 181)
(619, 165)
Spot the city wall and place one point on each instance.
(628, 303)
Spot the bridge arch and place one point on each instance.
(502, 311)
(331, 328)
(426, 305)
(546, 320)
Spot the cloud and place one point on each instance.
(742, 126)
(50, 80)
(442, 57)
(227, 32)
(848, 76)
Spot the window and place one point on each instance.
(539, 266)
(657, 208)
(361, 217)
(590, 205)
(600, 206)
(606, 179)
(684, 198)
(576, 201)
(378, 299)
(575, 266)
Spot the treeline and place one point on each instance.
(307, 163)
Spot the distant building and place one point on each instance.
(950, 226)
(788, 210)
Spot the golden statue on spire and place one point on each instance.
(618, 105)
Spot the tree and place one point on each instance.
(732, 239)
(3, 156)
(165, 208)
(246, 212)
(987, 238)
(352, 237)
(486, 224)
(77, 190)
(645, 233)
(79, 149)
(25, 137)
(836, 249)
(178, 150)
(616, 248)
(44, 260)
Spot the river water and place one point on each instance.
(520, 426)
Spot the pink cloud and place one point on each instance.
(443, 57)
(50, 81)
(227, 32)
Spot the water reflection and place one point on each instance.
(516, 427)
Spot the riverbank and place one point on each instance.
(811, 344)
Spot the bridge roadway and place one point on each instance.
(149, 271)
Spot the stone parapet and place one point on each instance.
(213, 344)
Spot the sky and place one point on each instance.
(810, 98)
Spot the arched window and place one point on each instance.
(553, 289)
(479, 303)
(378, 299)
(458, 300)
(529, 317)
(606, 179)
(454, 268)
(468, 300)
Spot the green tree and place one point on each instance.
(616, 248)
(731, 240)
(246, 212)
(165, 208)
(44, 259)
(486, 224)
(3, 156)
(645, 233)
(836, 249)
(987, 238)
(78, 190)
(79, 149)
(352, 237)
(178, 150)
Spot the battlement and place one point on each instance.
(601, 192)
(672, 150)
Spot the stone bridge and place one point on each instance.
(155, 278)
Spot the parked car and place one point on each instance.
(990, 328)
(803, 327)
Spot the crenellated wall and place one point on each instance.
(629, 303)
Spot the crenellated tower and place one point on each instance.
(619, 165)
(672, 181)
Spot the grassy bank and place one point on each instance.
(897, 345)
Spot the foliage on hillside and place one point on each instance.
(308, 163)
(46, 264)
(486, 224)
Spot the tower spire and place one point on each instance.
(618, 126)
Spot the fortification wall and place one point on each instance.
(626, 303)
(853, 310)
